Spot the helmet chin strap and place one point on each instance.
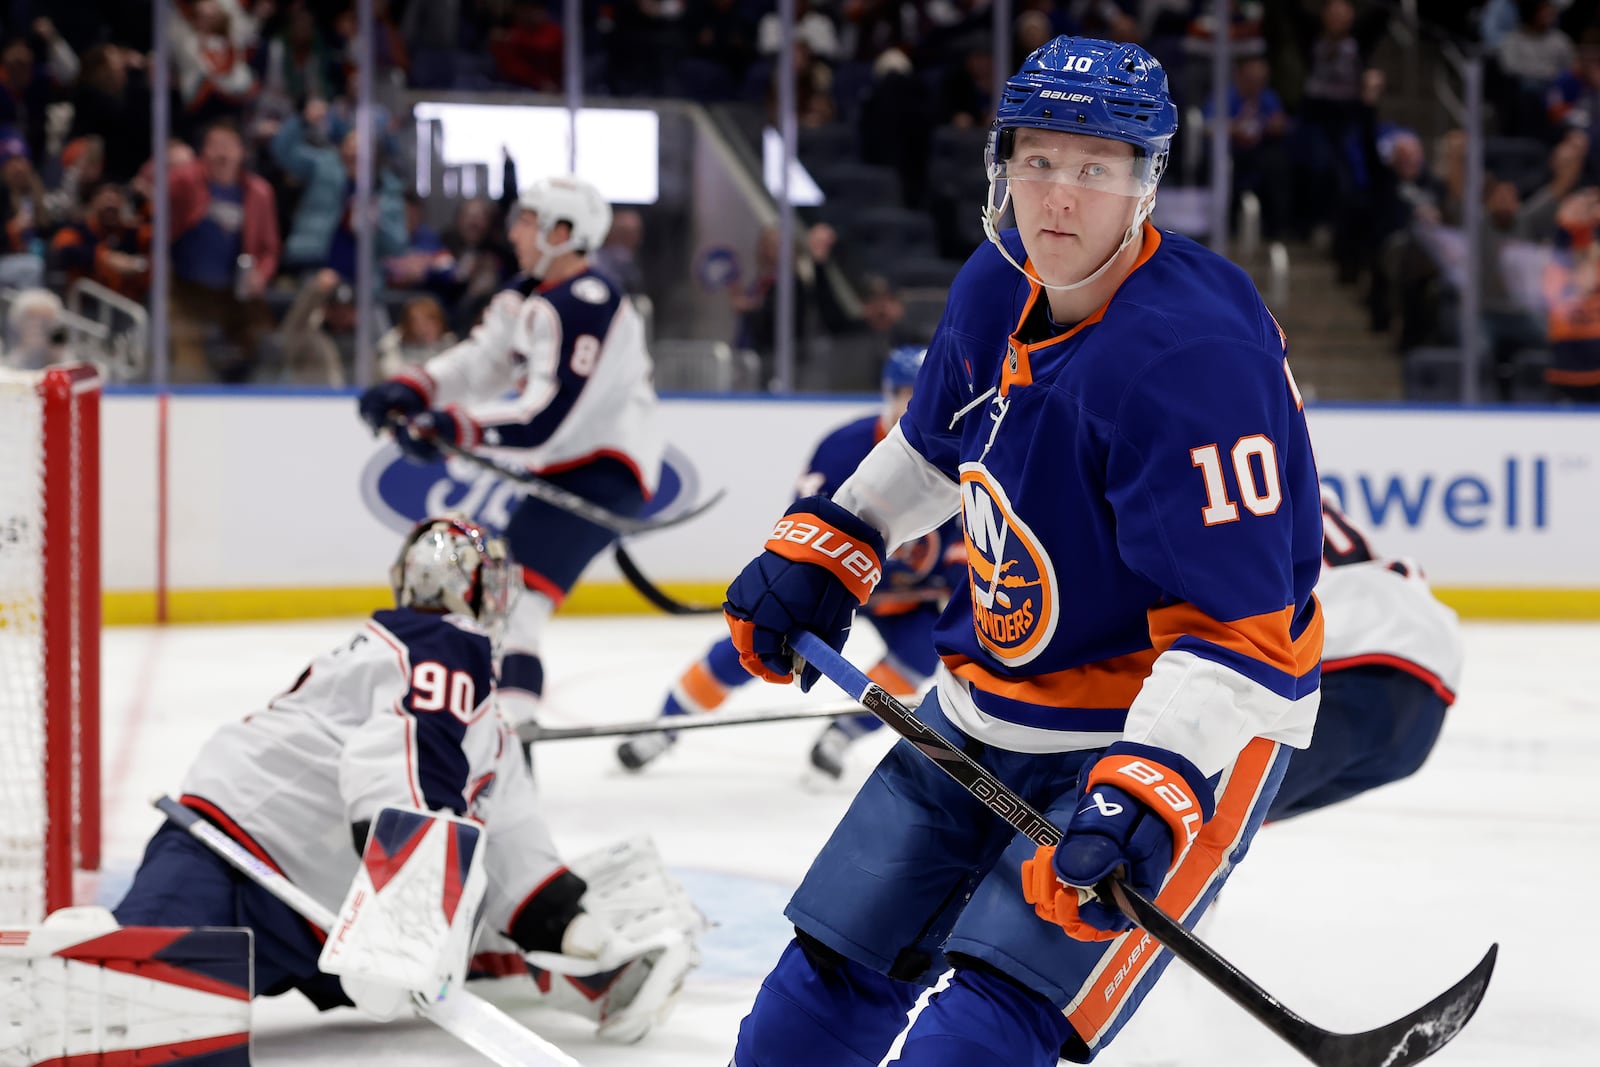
(991, 230)
(548, 253)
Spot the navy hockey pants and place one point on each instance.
(181, 882)
(1376, 725)
(919, 875)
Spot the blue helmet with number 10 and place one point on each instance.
(1096, 88)
(1090, 87)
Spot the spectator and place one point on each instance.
(478, 260)
(813, 91)
(1572, 291)
(319, 331)
(529, 51)
(965, 99)
(1032, 31)
(83, 163)
(896, 124)
(420, 335)
(211, 46)
(618, 257)
(297, 66)
(423, 249)
(1529, 62)
(321, 234)
(722, 37)
(112, 101)
(107, 245)
(36, 335)
(811, 26)
(225, 248)
(22, 215)
(24, 95)
(1331, 111)
(818, 311)
(1257, 134)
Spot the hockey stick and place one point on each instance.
(463, 1015)
(1404, 1041)
(529, 732)
(654, 593)
(554, 494)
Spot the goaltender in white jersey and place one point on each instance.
(338, 782)
(557, 380)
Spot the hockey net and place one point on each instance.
(49, 636)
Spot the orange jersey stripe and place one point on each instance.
(1260, 637)
(893, 682)
(1108, 683)
(1097, 1004)
(702, 688)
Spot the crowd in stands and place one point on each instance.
(894, 98)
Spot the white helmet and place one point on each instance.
(569, 199)
(448, 564)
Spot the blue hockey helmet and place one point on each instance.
(1096, 88)
(900, 369)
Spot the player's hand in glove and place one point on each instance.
(406, 396)
(821, 563)
(1140, 809)
(420, 438)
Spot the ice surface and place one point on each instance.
(1353, 916)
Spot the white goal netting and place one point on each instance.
(22, 814)
(49, 636)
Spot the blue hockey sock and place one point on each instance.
(519, 670)
(985, 1020)
(829, 1010)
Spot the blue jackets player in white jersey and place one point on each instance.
(556, 379)
(402, 716)
(1109, 408)
(1391, 668)
(918, 579)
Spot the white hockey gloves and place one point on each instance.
(623, 958)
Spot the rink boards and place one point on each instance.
(224, 504)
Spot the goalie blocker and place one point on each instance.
(81, 989)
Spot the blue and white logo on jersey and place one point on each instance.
(400, 493)
(1012, 581)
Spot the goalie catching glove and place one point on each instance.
(1140, 809)
(820, 564)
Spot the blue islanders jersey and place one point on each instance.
(1140, 508)
(920, 572)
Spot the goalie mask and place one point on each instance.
(449, 565)
(571, 200)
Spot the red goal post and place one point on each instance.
(49, 636)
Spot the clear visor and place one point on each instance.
(1079, 162)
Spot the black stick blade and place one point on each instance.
(1409, 1040)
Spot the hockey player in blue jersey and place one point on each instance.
(918, 580)
(1110, 410)
(403, 715)
(557, 380)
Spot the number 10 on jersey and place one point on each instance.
(1255, 469)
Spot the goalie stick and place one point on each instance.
(1409, 1040)
(530, 733)
(554, 494)
(462, 1014)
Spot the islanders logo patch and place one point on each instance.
(1013, 584)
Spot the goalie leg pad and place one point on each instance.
(80, 986)
(408, 920)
